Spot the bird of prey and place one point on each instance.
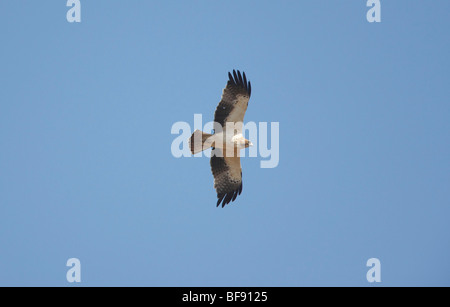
(227, 140)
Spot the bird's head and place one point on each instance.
(248, 143)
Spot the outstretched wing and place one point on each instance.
(235, 99)
(227, 174)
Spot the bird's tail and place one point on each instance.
(199, 141)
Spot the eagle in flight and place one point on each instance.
(227, 140)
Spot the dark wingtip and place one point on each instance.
(235, 194)
(220, 198)
(236, 80)
(227, 198)
(245, 81)
(241, 80)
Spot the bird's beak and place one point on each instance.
(250, 144)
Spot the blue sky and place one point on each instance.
(86, 170)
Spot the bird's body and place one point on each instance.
(228, 140)
(224, 140)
